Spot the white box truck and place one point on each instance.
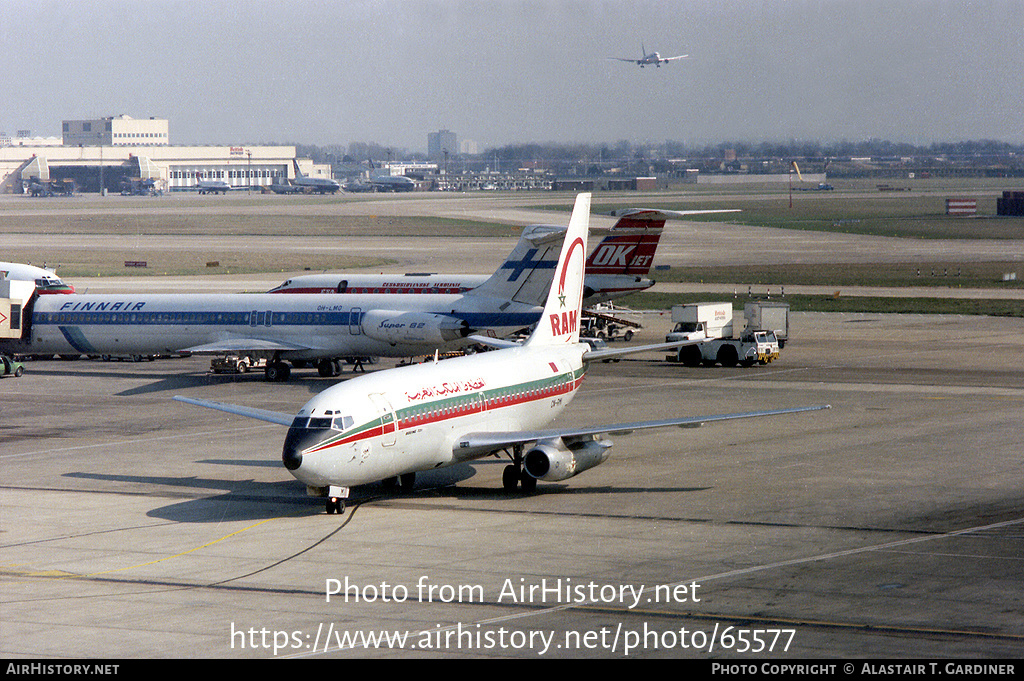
(714, 322)
(701, 320)
(768, 315)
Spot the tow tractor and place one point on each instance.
(713, 323)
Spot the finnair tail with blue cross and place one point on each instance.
(389, 425)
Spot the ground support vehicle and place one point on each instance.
(713, 323)
(701, 320)
(235, 364)
(10, 366)
(610, 323)
(768, 315)
(759, 347)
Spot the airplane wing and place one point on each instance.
(491, 441)
(498, 343)
(610, 353)
(682, 56)
(237, 345)
(593, 355)
(277, 417)
(632, 61)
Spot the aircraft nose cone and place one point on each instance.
(292, 458)
(294, 443)
(299, 439)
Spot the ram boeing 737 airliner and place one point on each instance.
(392, 424)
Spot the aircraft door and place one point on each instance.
(354, 319)
(389, 425)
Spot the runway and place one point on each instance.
(890, 525)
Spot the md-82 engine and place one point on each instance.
(393, 327)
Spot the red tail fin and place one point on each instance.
(631, 253)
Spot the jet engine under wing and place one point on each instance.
(277, 417)
(475, 443)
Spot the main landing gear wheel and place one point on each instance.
(513, 475)
(277, 371)
(510, 478)
(328, 368)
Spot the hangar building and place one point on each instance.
(104, 154)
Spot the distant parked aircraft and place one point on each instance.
(304, 184)
(384, 181)
(211, 186)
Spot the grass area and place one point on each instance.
(939, 274)
(854, 207)
(246, 224)
(810, 303)
(917, 216)
(242, 221)
(110, 262)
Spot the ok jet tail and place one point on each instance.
(618, 265)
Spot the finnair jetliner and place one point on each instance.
(618, 266)
(318, 328)
(388, 425)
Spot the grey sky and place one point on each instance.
(502, 71)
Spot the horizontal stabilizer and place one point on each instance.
(499, 343)
(609, 353)
(654, 214)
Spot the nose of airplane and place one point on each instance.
(291, 457)
(297, 441)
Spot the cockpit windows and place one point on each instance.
(341, 423)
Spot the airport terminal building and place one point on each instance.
(110, 154)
